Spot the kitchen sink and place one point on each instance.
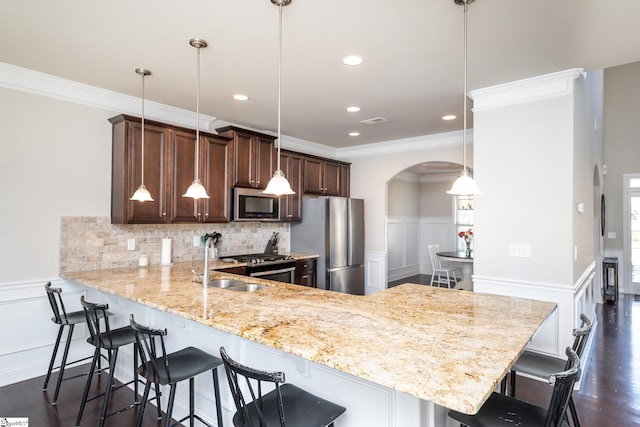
(226, 283)
(247, 287)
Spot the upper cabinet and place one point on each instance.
(169, 169)
(253, 157)
(291, 205)
(322, 176)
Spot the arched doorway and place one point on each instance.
(418, 212)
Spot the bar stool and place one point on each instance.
(62, 318)
(110, 340)
(500, 410)
(542, 366)
(286, 405)
(158, 367)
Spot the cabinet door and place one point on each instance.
(183, 158)
(216, 178)
(156, 149)
(313, 176)
(306, 272)
(331, 178)
(291, 205)
(243, 160)
(264, 161)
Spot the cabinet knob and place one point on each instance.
(164, 214)
(198, 213)
(305, 277)
(206, 215)
(304, 265)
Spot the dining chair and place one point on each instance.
(439, 270)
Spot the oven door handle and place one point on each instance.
(267, 273)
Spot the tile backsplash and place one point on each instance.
(93, 243)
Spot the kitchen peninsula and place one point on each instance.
(395, 358)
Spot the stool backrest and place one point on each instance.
(152, 351)
(562, 383)
(582, 335)
(55, 301)
(253, 384)
(94, 312)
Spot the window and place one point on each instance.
(463, 218)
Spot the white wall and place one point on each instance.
(56, 161)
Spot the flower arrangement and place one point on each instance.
(467, 236)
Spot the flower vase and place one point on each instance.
(467, 250)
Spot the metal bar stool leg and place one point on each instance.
(172, 396)
(143, 403)
(53, 358)
(85, 394)
(216, 390)
(63, 363)
(107, 393)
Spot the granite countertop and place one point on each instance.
(446, 346)
(219, 264)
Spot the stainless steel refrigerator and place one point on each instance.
(333, 227)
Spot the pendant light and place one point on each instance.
(196, 190)
(278, 185)
(142, 194)
(464, 185)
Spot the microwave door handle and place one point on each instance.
(267, 273)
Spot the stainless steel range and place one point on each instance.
(280, 268)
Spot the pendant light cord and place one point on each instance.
(197, 114)
(464, 114)
(279, 76)
(142, 170)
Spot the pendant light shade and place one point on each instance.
(464, 185)
(278, 185)
(196, 190)
(142, 194)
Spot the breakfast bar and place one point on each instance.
(400, 357)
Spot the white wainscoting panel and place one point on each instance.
(27, 332)
(403, 247)
(375, 272)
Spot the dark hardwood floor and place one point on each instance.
(609, 394)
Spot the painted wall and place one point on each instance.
(622, 141)
(404, 198)
(434, 200)
(369, 177)
(56, 162)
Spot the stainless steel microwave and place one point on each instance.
(252, 205)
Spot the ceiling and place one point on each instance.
(412, 73)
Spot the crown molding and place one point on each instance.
(447, 139)
(25, 80)
(527, 90)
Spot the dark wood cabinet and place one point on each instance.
(345, 180)
(291, 205)
(254, 158)
(233, 270)
(322, 176)
(169, 170)
(305, 274)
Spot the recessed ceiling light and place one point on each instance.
(448, 117)
(354, 133)
(352, 60)
(240, 97)
(353, 109)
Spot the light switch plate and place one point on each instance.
(196, 241)
(131, 244)
(520, 250)
(611, 235)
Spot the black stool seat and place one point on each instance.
(286, 405)
(72, 318)
(302, 409)
(184, 364)
(114, 339)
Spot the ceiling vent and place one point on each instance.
(374, 121)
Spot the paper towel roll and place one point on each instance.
(165, 255)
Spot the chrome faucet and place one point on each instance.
(210, 240)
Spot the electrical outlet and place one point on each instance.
(196, 241)
(520, 250)
(131, 244)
